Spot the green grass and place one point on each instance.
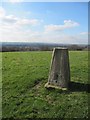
(24, 95)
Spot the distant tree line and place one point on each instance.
(40, 48)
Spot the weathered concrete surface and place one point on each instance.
(59, 76)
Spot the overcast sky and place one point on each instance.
(52, 22)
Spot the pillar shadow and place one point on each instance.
(79, 87)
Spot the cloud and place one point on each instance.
(63, 38)
(2, 12)
(84, 33)
(9, 19)
(70, 23)
(67, 24)
(17, 34)
(17, 29)
(28, 22)
(12, 20)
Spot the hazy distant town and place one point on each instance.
(21, 46)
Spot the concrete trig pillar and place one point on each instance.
(59, 76)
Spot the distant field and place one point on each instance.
(24, 96)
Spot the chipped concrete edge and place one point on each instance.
(47, 85)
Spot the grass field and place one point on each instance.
(23, 93)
